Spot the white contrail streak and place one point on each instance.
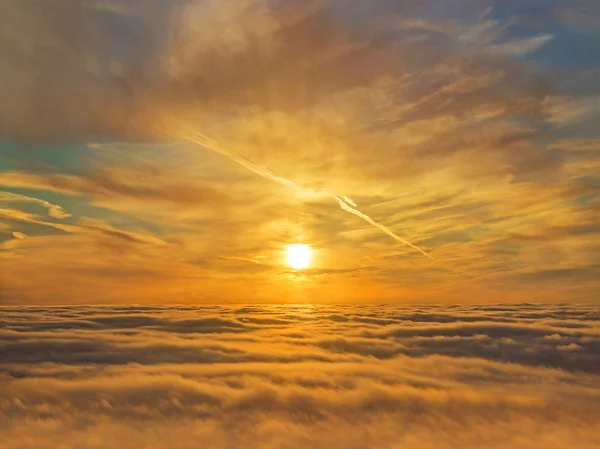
(265, 173)
(345, 203)
(349, 201)
(368, 219)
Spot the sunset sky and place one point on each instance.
(169, 151)
(285, 224)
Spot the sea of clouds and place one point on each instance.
(504, 376)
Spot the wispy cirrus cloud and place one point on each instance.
(54, 210)
(453, 128)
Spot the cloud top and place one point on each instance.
(520, 376)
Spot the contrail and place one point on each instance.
(368, 219)
(349, 201)
(345, 203)
(265, 173)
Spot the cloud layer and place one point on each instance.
(521, 376)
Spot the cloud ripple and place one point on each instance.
(521, 376)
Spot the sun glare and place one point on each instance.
(298, 256)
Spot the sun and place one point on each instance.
(298, 256)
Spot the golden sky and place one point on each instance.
(170, 151)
